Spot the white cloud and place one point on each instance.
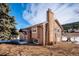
(36, 13)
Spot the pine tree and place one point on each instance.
(7, 22)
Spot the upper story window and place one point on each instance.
(25, 33)
(57, 30)
(34, 30)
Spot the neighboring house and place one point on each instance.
(45, 33)
(73, 30)
(71, 37)
(76, 30)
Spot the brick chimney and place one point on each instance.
(51, 27)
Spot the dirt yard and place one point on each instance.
(60, 49)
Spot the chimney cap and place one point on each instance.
(50, 10)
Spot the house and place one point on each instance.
(71, 32)
(45, 33)
(72, 37)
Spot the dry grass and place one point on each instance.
(60, 49)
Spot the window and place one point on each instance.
(57, 30)
(25, 33)
(34, 30)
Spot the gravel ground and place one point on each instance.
(60, 49)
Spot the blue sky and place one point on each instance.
(17, 10)
(31, 14)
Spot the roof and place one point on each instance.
(36, 25)
(50, 10)
(59, 24)
(45, 23)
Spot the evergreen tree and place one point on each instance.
(7, 22)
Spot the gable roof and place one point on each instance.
(45, 23)
(59, 24)
(35, 25)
